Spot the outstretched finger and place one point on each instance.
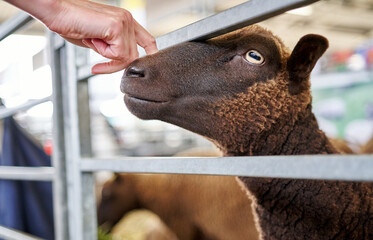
(145, 39)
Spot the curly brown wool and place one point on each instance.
(251, 107)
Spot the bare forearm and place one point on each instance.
(40, 9)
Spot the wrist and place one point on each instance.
(47, 10)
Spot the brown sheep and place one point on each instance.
(250, 95)
(367, 148)
(341, 145)
(193, 207)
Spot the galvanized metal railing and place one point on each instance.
(332, 167)
(73, 165)
(12, 234)
(15, 23)
(352, 168)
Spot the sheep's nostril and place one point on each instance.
(134, 71)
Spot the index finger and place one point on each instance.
(145, 39)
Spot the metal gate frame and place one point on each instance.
(73, 166)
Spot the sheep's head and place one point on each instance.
(227, 88)
(118, 197)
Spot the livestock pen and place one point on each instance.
(73, 165)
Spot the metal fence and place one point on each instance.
(73, 166)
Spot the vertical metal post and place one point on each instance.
(89, 207)
(75, 206)
(72, 143)
(58, 157)
(68, 193)
(88, 191)
(84, 118)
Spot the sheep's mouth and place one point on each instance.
(145, 107)
(141, 99)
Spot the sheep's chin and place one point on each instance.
(142, 108)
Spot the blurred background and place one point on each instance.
(342, 82)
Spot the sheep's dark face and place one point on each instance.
(212, 87)
(118, 197)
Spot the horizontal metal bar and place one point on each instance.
(332, 167)
(27, 173)
(226, 21)
(7, 112)
(229, 20)
(13, 24)
(11, 234)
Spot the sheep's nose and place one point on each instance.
(135, 71)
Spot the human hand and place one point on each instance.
(110, 31)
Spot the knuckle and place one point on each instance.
(149, 43)
(120, 21)
(151, 40)
(115, 27)
(125, 16)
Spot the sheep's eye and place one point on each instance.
(254, 57)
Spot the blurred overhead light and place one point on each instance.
(304, 11)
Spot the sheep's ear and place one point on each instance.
(305, 55)
(116, 177)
